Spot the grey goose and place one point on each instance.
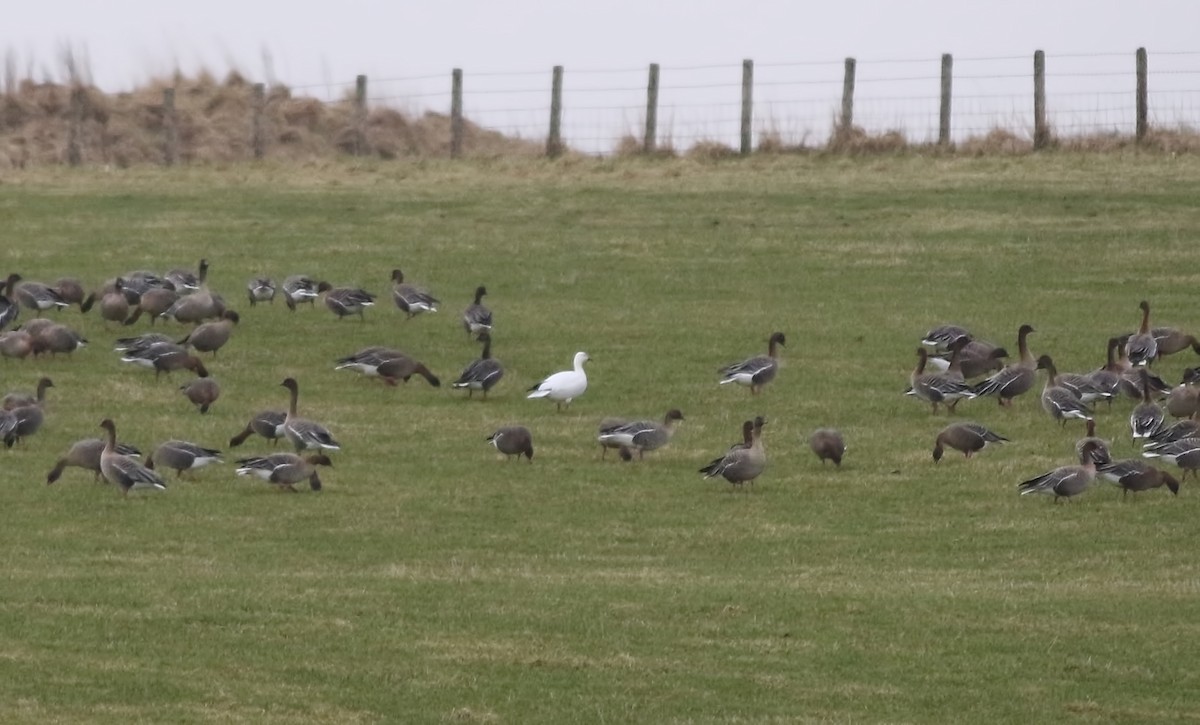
(1013, 379)
(1065, 481)
(260, 289)
(285, 470)
(265, 423)
(1059, 401)
(410, 299)
(757, 371)
(85, 454)
(741, 465)
(126, 472)
(965, 437)
(481, 374)
(301, 432)
(180, 456)
(346, 301)
(513, 440)
(1141, 348)
(642, 435)
(477, 318)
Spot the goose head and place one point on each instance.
(397, 276)
(232, 316)
(580, 359)
(291, 384)
(320, 459)
(674, 415)
(1171, 482)
(480, 291)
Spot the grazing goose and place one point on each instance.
(757, 371)
(1184, 453)
(186, 281)
(19, 399)
(967, 438)
(1014, 379)
(125, 471)
(202, 392)
(196, 308)
(1057, 400)
(56, 339)
(345, 301)
(642, 435)
(38, 297)
(10, 309)
(942, 336)
(85, 454)
(368, 360)
(16, 344)
(302, 433)
(266, 423)
(1136, 475)
(1100, 447)
(165, 357)
(260, 289)
(481, 374)
(1188, 428)
(513, 440)
(403, 367)
(299, 288)
(285, 470)
(1064, 481)
(935, 388)
(563, 387)
(1142, 348)
(212, 336)
(413, 300)
(114, 305)
(1171, 340)
(477, 319)
(1184, 399)
(1147, 417)
(23, 421)
(140, 343)
(607, 424)
(70, 290)
(153, 301)
(828, 444)
(741, 465)
(180, 456)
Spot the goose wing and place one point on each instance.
(480, 374)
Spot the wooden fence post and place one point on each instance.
(75, 126)
(1143, 110)
(847, 119)
(258, 140)
(650, 139)
(1041, 131)
(554, 140)
(747, 105)
(456, 113)
(171, 131)
(360, 115)
(944, 108)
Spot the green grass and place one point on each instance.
(432, 582)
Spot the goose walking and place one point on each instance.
(936, 388)
(303, 433)
(741, 465)
(513, 440)
(758, 371)
(966, 438)
(1014, 379)
(346, 301)
(481, 374)
(125, 471)
(563, 387)
(642, 435)
(1064, 481)
(285, 470)
(410, 299)
(202, 392)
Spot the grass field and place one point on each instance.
(431, 581)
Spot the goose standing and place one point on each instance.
(10, 309)
(828, 444)
(642, 435)
(563, 387)
(477, 319)
(285, 470)
(1184, 453)
(202, 392)
(757, 371)
(1058, 400)
(125, 471)
(181, 456)
(260, 289)
(513, 440)
(741, 465)
(346, 301)
(403, 367)
(185, 280)
(212, 336)
(1142, 348)
(299, 288)
(165, 357)
(1100, 447)
(1187, 428)
(1147, 417)
(1014, 379)
(1171, 340)
(23, 421)
(18, 399)
(304, 433)
(1135, 475)
(1184, 399)
(411, 300)
(266, 423)
(608, 423)
(1064, 481)
(114, 305)
(935, 388)
(967, 438)
(17, 344)
(71, 291)
(481, 374)
(85, 454)
(153, 301)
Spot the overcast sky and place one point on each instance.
(127, 41)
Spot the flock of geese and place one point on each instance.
(183, 296)
(953, 366)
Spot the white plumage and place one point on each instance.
(565, 386)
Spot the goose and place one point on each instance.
(1147, 416)
(260, 289)
(38, 297)
(202, 392)
(1142, 348)
(57, 339)
(125, 471)
(114, 306)
(1184, 453)
(1187, 428)
(942, 336)
(477, 319)
(403, 367)
(23, 421)
(16, 344)
(345, 301)
(212, 336)
(367, 360)
(153, 301)
(1057, 400)
(10, 309)
(1184, 399)
(1171, 340)
(18, 399)
(304, 433)
(1131, 376)
(1136, 475)
(1064, 481)
(642, 435)
(563, 387)
(165, 357)
(85, 454)
(1108, 378)
(828, 444)
(196, 308)
(1100, 447)
(747, 437)
(413, 300)
(285, 470)
(935, 388)
(513, 440)
(975, 359)
(1014, 379)
(140, 343)
(609, 423)
(757, 371)
(481, 374)
(967, 438)
(951, 365)
(266, 423)
(741, 465)
(180, 456)
(299, 288)
(185, 280)
(71, 291)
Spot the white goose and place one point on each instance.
(565, 386)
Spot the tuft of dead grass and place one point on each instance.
(855, 141)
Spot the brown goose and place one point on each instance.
(17, 344)
(164, 357)
(154, 301)
(1131, 376)
(1184, 399)
(1064, 481)
(642, 435)
(266, 423)
(180, 456)
(71, 291)
(186, 281)
(1142, 348)
(19, 399)
(196, 308)
(1171, 340)
(828, 444)
(1058, 400)
(413, 300)
(976, 358)
(203, 392)
(1136, 475)
(56, 339)
(741, 465)
(404, 367)
(125, 471)
(1100, 452)
(513, 440)
(85, 454)
(114, 306)
(285, 470)
(1184, 453)
(301, 432)
(1014, 379)
(967, 438)
(757, 371)
(212, 336)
